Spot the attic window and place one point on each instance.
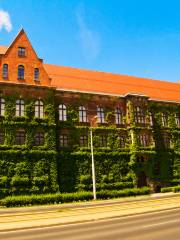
(21, 51)
(36, 74)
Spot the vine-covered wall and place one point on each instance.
(26, 169)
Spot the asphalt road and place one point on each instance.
(149, 226)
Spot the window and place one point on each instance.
(122, 141)
(177, 119)
(144, 139)
(20, 137)
(1, 137)
(164, 119)
(36, 74)
(2, 106)
(39, 109)
(62, 112)
(83, 141)
(63, 140)
(5, 71)
(100, 114)
(21, 51)
(103, 141)
(20, 108)
(119, 116)
(139, 115)
(39, 139)
(20, 72)
(150, 119)
(82, 114)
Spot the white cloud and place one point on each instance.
(89, 39)
(5, 21)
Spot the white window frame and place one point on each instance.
(39, 109)
(100, 115)
(82, 114)
(119, 116)
(2, 106)
(19, 108)
(62, 112)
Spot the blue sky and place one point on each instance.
(133, 37)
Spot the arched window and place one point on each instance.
(20, 108)
(36, 74)
(119, 116)
(62, 112)
(5, 71)
(100, 114)
(2, 106)
(82, 114)
(39, 109)
(20, 72)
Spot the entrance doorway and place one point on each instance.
(142, 180)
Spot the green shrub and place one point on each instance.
(18, 181)
(115, 186)
(176, 189)
(105, 194)
(85, 179)
(175, 182)
(167, 189)
(3, 181)
(40, 181)
(171, 189)
(105, 186)
(4, 192)
(25, 200)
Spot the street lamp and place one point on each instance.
(92, 122)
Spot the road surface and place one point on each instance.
(162, 225)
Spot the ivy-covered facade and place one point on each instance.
(45, 136)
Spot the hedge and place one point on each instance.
(106, 186)
(29, 200)
(171, 189)
(105, 194)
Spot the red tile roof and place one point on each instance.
(75, 79)
(3, 49)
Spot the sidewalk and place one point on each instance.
(39, 208)
(43, 216)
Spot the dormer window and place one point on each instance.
(36, 74)
(21, 51)
(20, 72)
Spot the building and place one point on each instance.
(45, 115)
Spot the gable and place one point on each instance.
(30, 61)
